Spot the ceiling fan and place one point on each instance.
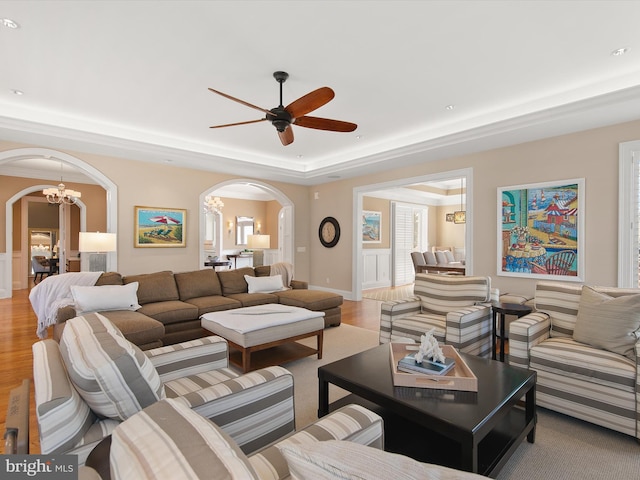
(295, 113)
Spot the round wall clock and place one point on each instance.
(329, 232)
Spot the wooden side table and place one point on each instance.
(504, 309)
(234, 257)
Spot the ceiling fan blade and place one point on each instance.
(242, 102)
(325, 124)
(310, 102)
(239, 123)
(286, 137)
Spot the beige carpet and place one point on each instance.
(565, 448)
(339, 342)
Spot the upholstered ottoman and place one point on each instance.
(251, 329)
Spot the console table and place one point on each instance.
(211, 263)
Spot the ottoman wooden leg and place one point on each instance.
(319, 338)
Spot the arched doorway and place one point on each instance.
(285, 217)
(6, 257)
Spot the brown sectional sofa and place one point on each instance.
(172, 303)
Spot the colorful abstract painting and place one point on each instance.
(540, 229)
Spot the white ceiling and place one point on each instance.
(131, 78)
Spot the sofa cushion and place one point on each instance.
(109, 278)
(154, 287)
(574, 361)
(233, 281)
(169, 440)
(106, 297)
(136, 327)
(214, 303)
(609, 323)
(262, 270)
(315, 300)
(170, 312)
(112, 375)
(252, 299)
(199, 283)
(270, 284)
(339, 459)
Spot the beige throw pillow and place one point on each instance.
(609, 323)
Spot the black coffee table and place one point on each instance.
(472, 431)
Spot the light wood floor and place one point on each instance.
(18, 333)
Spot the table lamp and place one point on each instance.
(258, 243)
(97, 244)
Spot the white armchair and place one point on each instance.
(580, 378)
(456, 306)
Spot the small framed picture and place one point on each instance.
(371, 225)
(159, 227)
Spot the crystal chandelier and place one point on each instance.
(61, 194)
(213, 204)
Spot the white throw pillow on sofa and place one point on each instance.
(269, 284)
(105, 297)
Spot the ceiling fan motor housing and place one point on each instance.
(280, 119)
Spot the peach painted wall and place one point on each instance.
(591, 154)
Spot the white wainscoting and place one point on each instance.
(5, 277)
(19, 278)
(377, 268)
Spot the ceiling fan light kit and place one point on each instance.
(282, 117)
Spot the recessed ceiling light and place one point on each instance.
(300, 155)
(17, 92)
(620, 51)
(450, 107)
(358, 137)
(7, 22)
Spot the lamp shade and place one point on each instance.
(258, 241)
(97, 242)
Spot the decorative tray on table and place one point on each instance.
(459, 378)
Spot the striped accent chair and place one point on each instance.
(455, 306)
(94, 379)
(576, 378)
(168, 440)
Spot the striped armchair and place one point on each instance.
(168, 440)
(456, 306)
(575, 378)
(95, 379)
